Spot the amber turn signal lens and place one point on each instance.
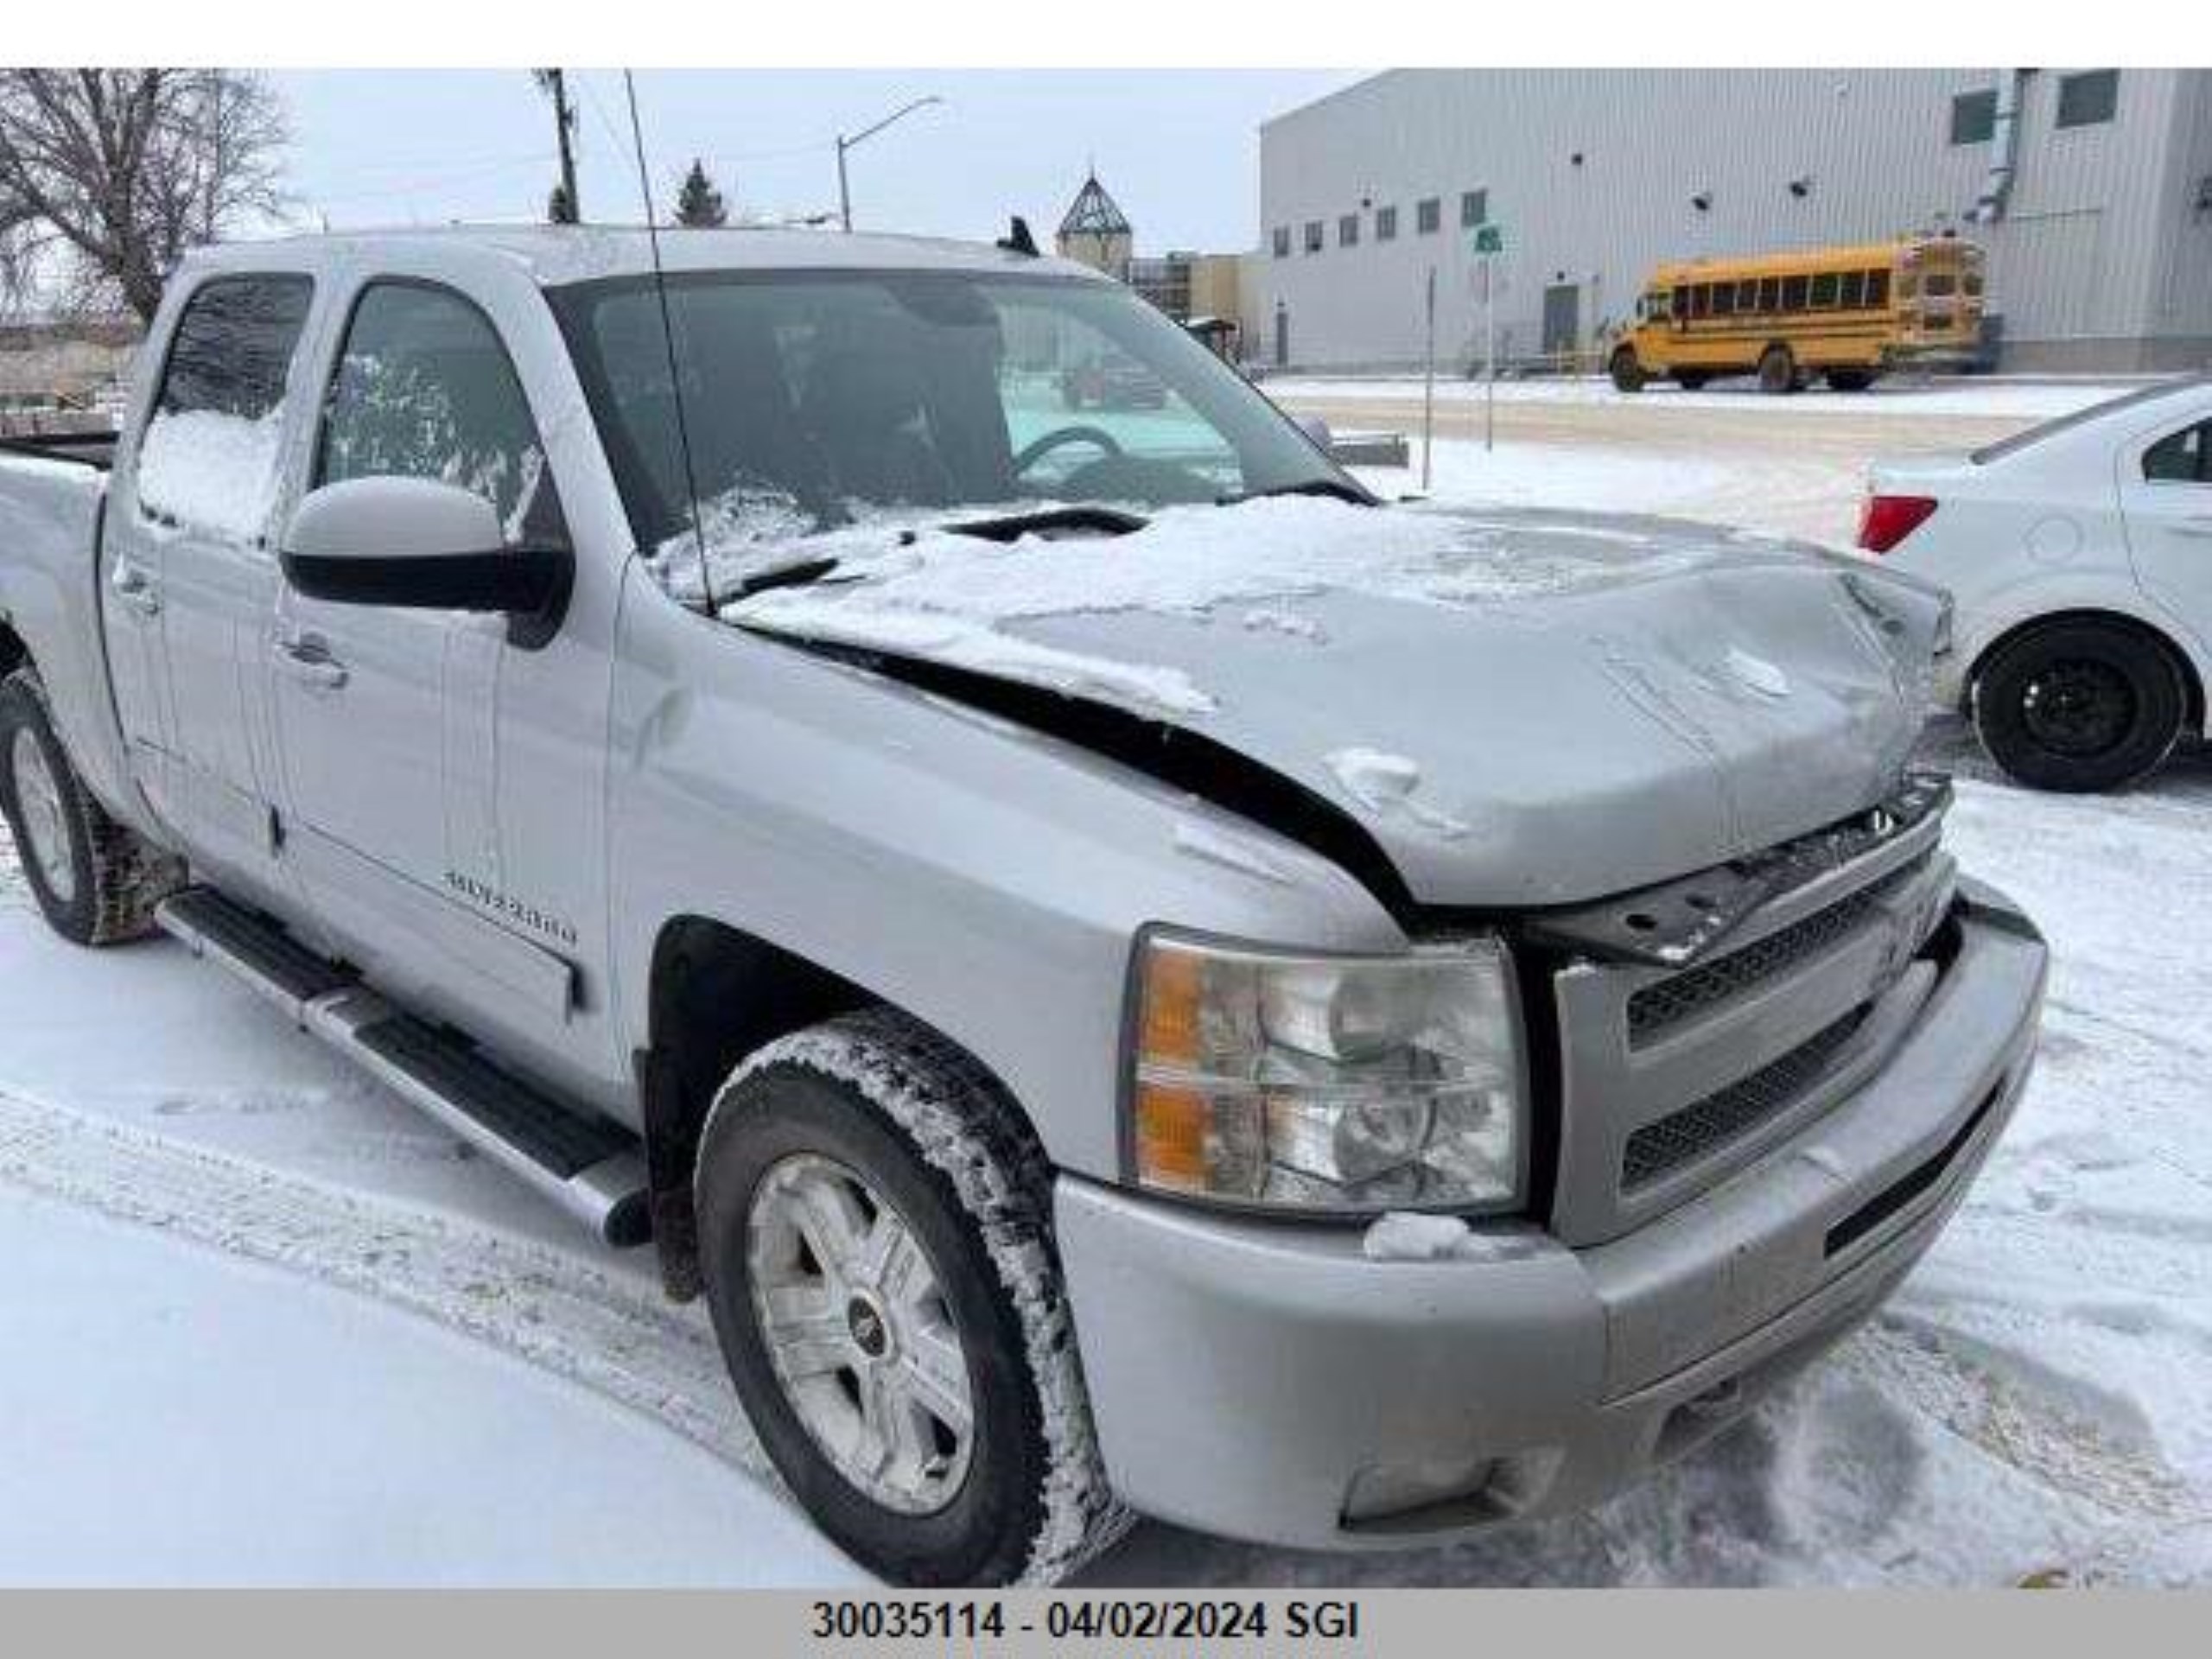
(1174, 986)
(1171, 1137)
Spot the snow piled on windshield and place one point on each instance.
(906, 585)
(212, 472)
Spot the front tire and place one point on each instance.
(875, 1233)
(2079, 707)
(96, 881)
(1626, 372)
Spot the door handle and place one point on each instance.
(134, 588)
(310, 662)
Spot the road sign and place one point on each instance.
(1490, 238)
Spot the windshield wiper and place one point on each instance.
(1334, 489)
(1102, 521)
(794, 574)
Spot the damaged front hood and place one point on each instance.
(1520, 709)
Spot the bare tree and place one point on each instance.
(108, 175)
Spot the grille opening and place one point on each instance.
(1682, 1137)
(1666, 1003)
(1894, 1197)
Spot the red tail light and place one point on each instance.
(1888, 519)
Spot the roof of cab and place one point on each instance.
(556, 254)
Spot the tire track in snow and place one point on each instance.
(537, 1304)
(1916, 1363)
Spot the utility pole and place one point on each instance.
(556, 84)
(844, 189)
(1429, 390)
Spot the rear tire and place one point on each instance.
(1691, 380)
(2079, 707)
(939, 1435)
(96, 881)
(1777, 371)
(1626, 372)
(1850, 379)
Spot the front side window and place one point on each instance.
(1974, 117)
(2089, 99)
(815, 401)
(2185, 457)
(424, 389)
(1428, 215)
(209, 458)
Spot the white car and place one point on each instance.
(2079, 554)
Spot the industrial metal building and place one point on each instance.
(2090, 189)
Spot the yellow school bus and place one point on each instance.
(1847, 313)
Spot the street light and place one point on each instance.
(844, 191)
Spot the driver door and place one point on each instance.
(388, 718)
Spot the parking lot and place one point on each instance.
(2035, 1406)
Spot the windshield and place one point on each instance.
(814, 400)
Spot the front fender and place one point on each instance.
(985, 879)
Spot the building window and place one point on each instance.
(1474, 208)
(1428, 214)
(1974, 116)
(1282, 241)
(1386, 224)
(2089, 99)
(1348, 231)
(1312, 236)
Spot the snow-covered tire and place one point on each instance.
(934, 1139)
(106, 882)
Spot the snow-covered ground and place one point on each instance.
(263, 1323)
(2031, 400)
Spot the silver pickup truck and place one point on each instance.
(1135, 978)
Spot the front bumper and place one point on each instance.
(1264, 1380)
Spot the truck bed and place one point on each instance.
(94, 450)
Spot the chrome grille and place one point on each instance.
(1684, 1136)
(1658, 1007)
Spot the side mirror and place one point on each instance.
(1318, 433)
(417, 544)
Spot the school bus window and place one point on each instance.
(1878, 289)
(1853, 293)
(1747, 294)
(1793, 293)
(1824, 290)
(1723, 299)
(1769, 294)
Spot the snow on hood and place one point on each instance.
(1517, 706)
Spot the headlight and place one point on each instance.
(1348, 1084)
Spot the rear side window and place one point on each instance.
(208, 461)
(424, 389)
(2183, 458)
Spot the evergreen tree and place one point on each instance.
(699, 204)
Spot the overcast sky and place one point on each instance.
(1178, 149)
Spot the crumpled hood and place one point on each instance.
(1519, 707)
